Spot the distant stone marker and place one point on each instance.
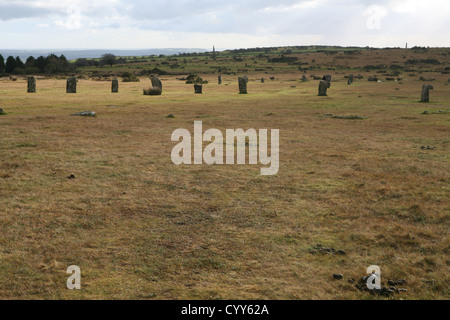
(219, 79)
(71, 86)
(115, 86)
(426, 93)
(31, 84)
(198, 88)
(350, 79)
(262, 80)
(323, 86)
(85, 114)
(304, 78)
(242, 85)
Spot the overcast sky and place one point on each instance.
(134, 24)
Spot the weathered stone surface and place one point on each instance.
(71, 86)
(198, 88)
(219, 79)
(31, 84)
(156, 83)
(242, 85)
(323, 86)
(426, 93)
(115, 86)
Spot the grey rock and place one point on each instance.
(323, 86)
(198, 88)
(31, 84)
(426, 93)
(115, 86)
(71, 85)
(85, 114)
(338, 276)
(242, 85)
(156, 83)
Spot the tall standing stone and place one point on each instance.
(115, 86)
(323, 86)
(426, 92)
(219, 79)
(31, 84)
(242, 85)
(198, 88)
(71, 86)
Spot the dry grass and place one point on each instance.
(142, 228)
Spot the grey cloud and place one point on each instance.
(11, 12)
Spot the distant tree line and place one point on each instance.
(52, 64)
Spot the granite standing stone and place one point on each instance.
(31, 84)
(426, 93)
(198, 88)
(242, 85)
(219, 79)
(115, 86)
(323, 86)
(71, 86)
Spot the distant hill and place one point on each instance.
(91, 54)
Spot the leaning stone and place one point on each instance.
(242, 85)
(323, 86)
(426, 93)
(71, 85)
(198, 88)
(85, 114)
(31, 84)
(115, 86)
(156, 82)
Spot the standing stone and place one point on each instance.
(323, 86)
(198, 88)
(115, 86)
(262, 80)
(242, 85)
(304, 78)
(426, 92)
(350, 79)
(156, 82)
(71, 86)
(219, 80)
(31, 84)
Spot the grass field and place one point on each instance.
(141, 227)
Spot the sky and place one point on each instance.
(226, 24)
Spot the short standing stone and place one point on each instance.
(198, 88)
(242, 85)
(304, 78)
(71, 86)
(350, 79)
(426, 92)
(156, 82)
(31, 84)
(323, 86)
(262, 80)
(115, 86)
(219, 79)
